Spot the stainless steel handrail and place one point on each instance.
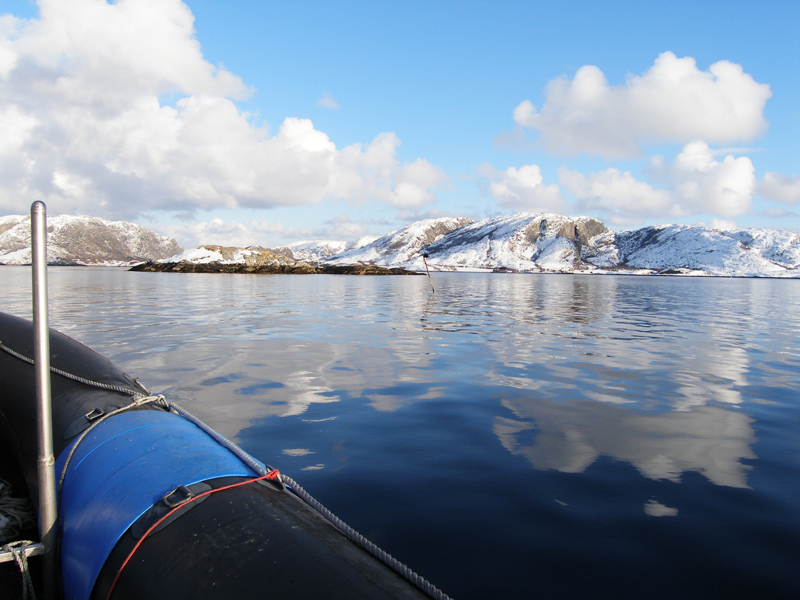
(30, 550)
(46, 465)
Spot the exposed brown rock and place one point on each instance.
(296, 268)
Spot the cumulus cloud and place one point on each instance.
(414, 183)
(694, 183)
(327, 101)
(617, 195)
(524, 190)
(722, 224)
(222, 233)
(708, 186)
(672, 102)
(111, 109)
(434, 213)
(779, 188)
(259, 233)
(341, 227)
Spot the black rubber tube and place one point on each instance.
(71, 400)
(253, 540)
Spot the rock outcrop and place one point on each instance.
(253, 259)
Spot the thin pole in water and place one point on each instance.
(424, 256)
(46, 465)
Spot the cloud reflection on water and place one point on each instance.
(570, 436)
(650, 365)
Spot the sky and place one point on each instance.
(266, 123)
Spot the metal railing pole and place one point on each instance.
(46, 465)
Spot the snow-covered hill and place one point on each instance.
(83, 240)
(735, 252)
(401, 248)
(313, 252)
(554, 243)
(521, 242)
(525, 242)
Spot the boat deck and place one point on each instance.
(10, 577)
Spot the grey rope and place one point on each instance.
(139, 398)
(136, 402)
(17, 550)
(298, 490)
(15, 513)
(359, 539)
(89, 382)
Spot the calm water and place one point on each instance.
(520, 436)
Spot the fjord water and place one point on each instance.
(516, 436)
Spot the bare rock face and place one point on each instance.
(524, 241)
(413, 238)
(84, 240)
(284, 251)
(252, 256)
(579, 230)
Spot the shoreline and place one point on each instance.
(300, 268)
(367, 269)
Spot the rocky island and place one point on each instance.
(256, 260)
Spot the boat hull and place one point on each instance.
(231, 537)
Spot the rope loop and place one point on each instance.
(17, 550)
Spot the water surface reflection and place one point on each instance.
(630, 430)
(570, 436)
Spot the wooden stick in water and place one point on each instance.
(424, 256)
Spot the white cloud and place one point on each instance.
(780, 188)
(523, 190)
(258, 233)
(222, 233)
(327, 101)
(414, 183)
(722, 224)
(695, 183)
(673, 102)
(433, 213)
(707, 186)
(111, 109)
(618, 195)
(341, 227)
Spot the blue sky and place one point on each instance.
(271, 122)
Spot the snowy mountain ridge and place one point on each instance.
(84, 240)
(400, 248)
(320, 250)
(554, 243)
(528, 242)
(522, 242)
(734, 252)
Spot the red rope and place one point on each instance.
(274, 474)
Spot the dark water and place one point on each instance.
(519, 436)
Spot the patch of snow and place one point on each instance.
(736, 253)
(316, 251)
(400, 247)
(84, 240)
(196, 255)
